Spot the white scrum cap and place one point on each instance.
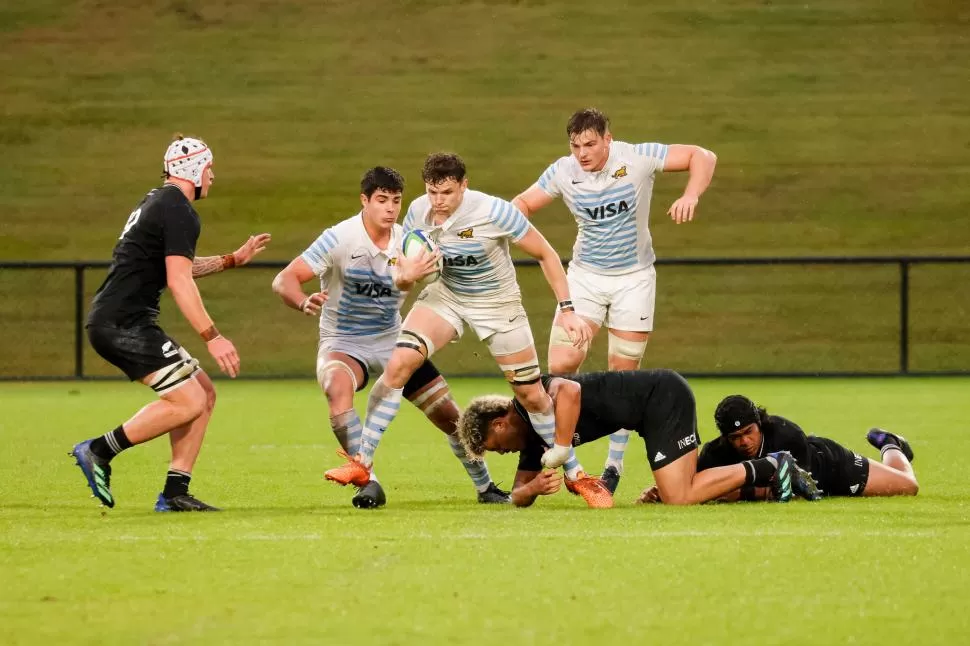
(187, 158)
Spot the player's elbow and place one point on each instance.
(278, 282)
(709, 156)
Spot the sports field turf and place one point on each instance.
(290, 562)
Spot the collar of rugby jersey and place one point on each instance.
(369, 245)
(450, 221)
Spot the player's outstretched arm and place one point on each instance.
(205, 265)
(531, 200)
(535, 244)
(700, 163)
(189, 301)
(529, 485)
(288, 285)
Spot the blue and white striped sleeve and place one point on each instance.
(509, 219)
(319, 255)
(549, 181)
(655, 154)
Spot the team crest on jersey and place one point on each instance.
(466, 233)
(391, 262)
(620, 172)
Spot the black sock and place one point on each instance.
(176, 483)
(759, 472)
(111, 444)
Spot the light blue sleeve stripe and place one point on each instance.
(547, 181)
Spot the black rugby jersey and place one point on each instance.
(778, 433)
(609, 401)
(163, 224)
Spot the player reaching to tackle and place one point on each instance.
(656, 404)
(607, 186)
(359, 309)
(748, 431)
(156, 250)
(477, 287)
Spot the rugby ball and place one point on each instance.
(414, 241)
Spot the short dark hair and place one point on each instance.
(587, 119)
(381, 178)
(439, 167)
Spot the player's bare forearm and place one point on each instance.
(288, 287)
(701, 171)
(555, 275)
(186, 295)
(206, 265)
(522, 494)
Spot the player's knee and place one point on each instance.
(338, 382)
(210, 396)
(190, 401)
(564, 357)
(626, 349)
(911, 488)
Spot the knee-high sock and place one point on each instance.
(477, 469)
(618, 442)
(545, 426)
(382, 408)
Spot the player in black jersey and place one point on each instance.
(156, 250)
(748, 431)
(656, 404)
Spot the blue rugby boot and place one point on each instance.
(97, 472)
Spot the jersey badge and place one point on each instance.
(620, 172)
(465, 233)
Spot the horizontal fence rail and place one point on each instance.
(904, 265)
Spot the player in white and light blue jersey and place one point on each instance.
(478, 288)
(607, 186)
(359, 309)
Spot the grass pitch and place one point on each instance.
(291, 562)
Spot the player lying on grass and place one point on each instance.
(360, 323)
(156, 249)
(656, 404)
(477, 287)
(748, 431)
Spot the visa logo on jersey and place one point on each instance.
(608, 210)
(460, 261)
(376, 290)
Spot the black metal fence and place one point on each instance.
(716, 316)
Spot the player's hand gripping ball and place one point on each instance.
(417, 245)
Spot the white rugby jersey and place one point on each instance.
(611, 206)
(474, 244)
(363, 299)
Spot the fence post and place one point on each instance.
(904, 316)
(79, 321)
